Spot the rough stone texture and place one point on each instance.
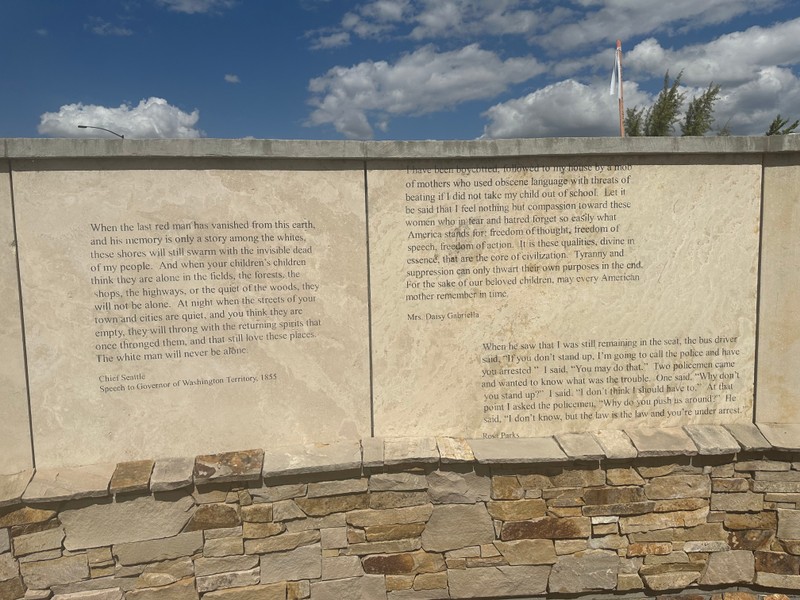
(369, 587)
(586, 571)
(527, 552)
(341, 567)
(456, 526)
(615, 444)
(13, 486)
(678, 486)
(454, 450)
(447, 487)
(744, 502)
(5, 541)
(547, 528)
(404, 563)
(392, 516)
(666, 441)
(396, 499)
(139, 519)
(49, 539)
(580, 446)
(372, 452)
(108, 594)
(748, 436)
(401, 451)
(789, 524)
(508, 581)
(782, 436)
(276, 493)
(282, 542)
(387, 482)
(677, 580)
(712, 439)
(319, 507)
(214, 516)
(318, 458)
(180, 590)
(245, 465)
(334, 488)
(517, 510)
(185, 544)
(379, 533)
(274, 591)
(228, 580)
(781, 582)
(73, 483)
(302, 563)
(524, 450)
(655, 521)
(47, 573)
(171, 474)
(131, 476)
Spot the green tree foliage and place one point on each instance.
(660, 118)
(779, 126)
(700, 113)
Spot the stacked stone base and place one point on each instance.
(431, 525)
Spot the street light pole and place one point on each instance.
(119, 135)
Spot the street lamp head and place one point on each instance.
(119, 135)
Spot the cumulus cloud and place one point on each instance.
(196, 6)
(421, 82)
(151, 118)
(566, 108)
(231, 78)
(733, 58)
(749, 108)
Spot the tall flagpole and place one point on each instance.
(619, 89)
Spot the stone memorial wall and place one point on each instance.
(173, 298)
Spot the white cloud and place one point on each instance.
(733, 58)
(749, 108)
(632, 18)
(151, 118)
(566, 108)
(231, 78)
(102, 27)
(422, 82)
(196, 6)
(334, 40)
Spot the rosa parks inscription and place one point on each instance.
(521, 297)
(208, 302)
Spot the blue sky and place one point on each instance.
(384, 69)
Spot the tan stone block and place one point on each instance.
(340, 567)
(228, 580)
(257, 513)
(746, 502)
(680, 504)
(275, 493)
(226, 546)
(50, 539)
(184, 544)
(649, 522)
(320, 507)
(286, 510)
(431, 581)
(213, 516)
(614, 495)
(133, 476)
(282, 543)
(15, 517)
(45, 574)
(337, 488)
(181, 590)
(457, 526)
(399, 582)
(647, 549)
(730, 485)
(527, 552)
(586, 571)
(517, 510)
(384, 547)
(781, 582)
(678, 486)
(404, 563)
(213, 566)
(507, 487)
(380, 500)
(304, 562)
(272, 591)
(297, 590)
(396, 482)
(547, 528)
(762, 520)
(261, 530)
(392, 516)
(502, 581)
(11, 589)
(623, 476)
(379, 533)
(331, 520)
